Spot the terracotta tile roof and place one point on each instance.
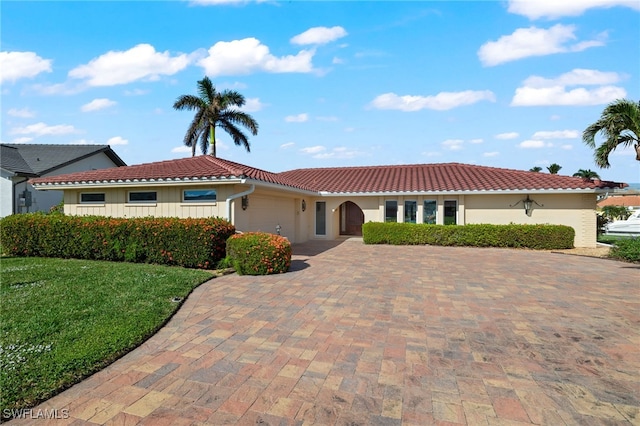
(434, 178)
(375, 179)
(622, 200)
(193, 168)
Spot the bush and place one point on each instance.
(259, 253)
(626, 249)
(191, 243)
(543, 237)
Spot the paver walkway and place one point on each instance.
(383, 335)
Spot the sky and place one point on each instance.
(509, 84)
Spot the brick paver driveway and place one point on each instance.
(382, 335)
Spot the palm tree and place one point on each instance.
(554, 168)
(215, 109)
(536, 169)
(619, 124)
(586, 174)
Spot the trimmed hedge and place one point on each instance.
(259, 253)
(191, 243)
(626, 249)
(542, 237)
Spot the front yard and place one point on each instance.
(62, 320)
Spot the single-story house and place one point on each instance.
(631, 201)
(325, 203)
(19, 162)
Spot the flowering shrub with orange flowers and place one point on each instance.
(191, 243)
(259, 253)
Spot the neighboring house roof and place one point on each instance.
(46, 158)
(622, 200)
(449, 177)
(12, 161)
(200, 168)
(444, 177)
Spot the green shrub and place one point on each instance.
(481, 235)
(191, 243)
(259, 253)
(626, 249)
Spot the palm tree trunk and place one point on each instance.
(212, 140)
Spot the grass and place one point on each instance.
(62, 319)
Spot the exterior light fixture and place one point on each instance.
(278, 229)
(527, 203)
(245, 202)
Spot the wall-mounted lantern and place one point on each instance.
(527, 203)
(304, 205)
(278, 229)
(245, 202)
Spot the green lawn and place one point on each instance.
(62, 320)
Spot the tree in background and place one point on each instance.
(536, 169)
(215, 109)
(554, 168)
(619, 124)
(586, 174)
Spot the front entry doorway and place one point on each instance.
(351, 219)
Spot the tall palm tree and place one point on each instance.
(215, 109)
(554, 168)
(536, 169)
(619, 124)
(586, 174)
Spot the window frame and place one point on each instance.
(200, 201)
(435, 211)
(130, 201)
(386, 211)
(415, 211)
(104, 197)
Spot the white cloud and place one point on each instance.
(557, 134)
(476, 141)
(22, 140)
(453, 144)
(97, 104)
(508, 135)
(327, 118)
(491, 154)
(136, 92)
(17, 65)
(442, 101)
(567, 147)
(300, 118)
(319, 35)
(552, 9)
(337, 61)
(313, 149)
(252, 105)
(532, 144)
(532, 41)
(42, 129)
(287, 145)
(181, 149)
(539, 91)
(249, 55)
(117, 140)
(21, 113)
(141, 62)
(340, 152)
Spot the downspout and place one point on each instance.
(238, 195)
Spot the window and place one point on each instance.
(143, 197)
(410, 211)
(92, 197)
(390, 211)
(321, 218)
(199, 195)
(430, 211)
(450, 212)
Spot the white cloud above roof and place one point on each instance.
(300, 118)
(533, 41)
(535, 144)
(97, 104)
(17, 65)
(249, 55)
(118, 140)
(507, 135)
(557, 134)
(552, 9)
(141, 62)
(319, 35)
(540, 91)
(442, 101)
(42, 129)
(21, 113)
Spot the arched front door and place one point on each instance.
(351, 219)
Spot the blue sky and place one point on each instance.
(498, 83)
